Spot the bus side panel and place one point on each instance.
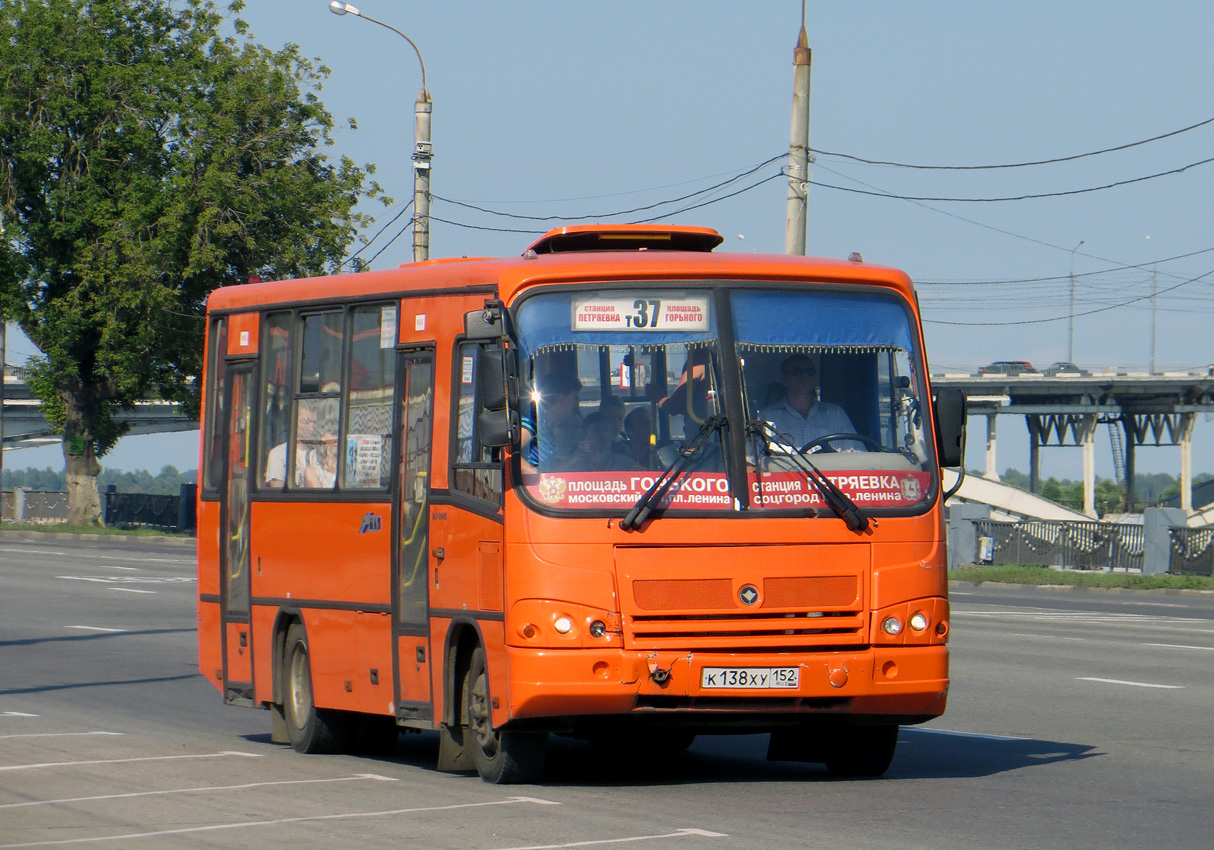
(316, 551)
(210, 653)
(263, 617)
(210, 639)
(373, 679)
(331, 650)
(469, 577)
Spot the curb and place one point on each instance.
(139, 539)
(1073, 588)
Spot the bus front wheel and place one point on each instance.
(311, 729)
(862, 751)
(502, 757)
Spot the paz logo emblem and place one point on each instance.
(749, 594)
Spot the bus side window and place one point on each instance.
(369, 387)
(275, 399)
(477, 469)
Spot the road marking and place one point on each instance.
(279, 822)
(1180, 646)
(680, 833)
(16, 714)
(1123, 682)
(1050, 638)
(127, 760)
(919, 729)
(134, 579)
(94, 629)
(131, 590)
(357, 777)
(115, 567)
(59, 735)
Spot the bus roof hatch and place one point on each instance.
(625, 237)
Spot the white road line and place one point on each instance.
(356, 778)
(94, 629)
(1180, 646)
(242, 824)
(134, 579)
(1132, 684)
(16, 714)
(59, 735)
(128, 760)
(115, 567)
(130, 590)
(680, 833)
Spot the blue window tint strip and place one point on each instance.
(825, 319)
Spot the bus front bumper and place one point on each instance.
(909, 683)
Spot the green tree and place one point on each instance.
(146, 159)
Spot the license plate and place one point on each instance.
(755, 678)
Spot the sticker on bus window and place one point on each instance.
(701, 490)
(387, 327)
(639, 312)
(364, 457)
(466, 370)
(875, 488)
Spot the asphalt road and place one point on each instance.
(1076, 720)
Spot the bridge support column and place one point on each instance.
(992, 466)
(1034, 423)
(1187, 421)
(1088, 427)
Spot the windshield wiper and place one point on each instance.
(657, 491)
(839, 502)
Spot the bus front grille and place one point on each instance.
(734, 631)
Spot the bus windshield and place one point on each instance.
(619, 383)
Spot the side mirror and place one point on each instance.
(497, 427)
(496, 388)
(485, 324)
(949, 409)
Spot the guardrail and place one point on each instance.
(1055, 543)
(1192, 551)
(119, 510)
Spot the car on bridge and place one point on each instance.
(1062, 370)
(1008, 367)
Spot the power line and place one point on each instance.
(1016, 197)
(1018, 164)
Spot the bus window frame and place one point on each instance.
(478, 504)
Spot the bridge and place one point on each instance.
(23, 425)
(1139, 410)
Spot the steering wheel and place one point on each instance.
(868, 442)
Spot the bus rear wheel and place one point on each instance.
(862, 751)
(502, 757)
(310, 729)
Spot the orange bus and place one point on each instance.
(619, 488)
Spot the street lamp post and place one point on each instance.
(1070, 332)
(423, 151)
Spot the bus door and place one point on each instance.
(411, 550)
(239, 381)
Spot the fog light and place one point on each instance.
(528, 631)
(892, 626)
(598, 628)
(918, 621)
(563, 625)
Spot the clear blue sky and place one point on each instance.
(578, 110)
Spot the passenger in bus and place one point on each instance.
(801, 417)
(595, 452)
(638, 427)
(612, 407)
(692, 396)
(555, 400)
(566, 437)
(305, 436)
(321, 470)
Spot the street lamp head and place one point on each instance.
(339, 8)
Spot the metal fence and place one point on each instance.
(1054, 543)
(1192, 551)
(118, 510)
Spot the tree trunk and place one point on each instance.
(82, 468)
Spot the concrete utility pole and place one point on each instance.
(798, 149)
(423, 151)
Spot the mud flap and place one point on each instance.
(454, 755)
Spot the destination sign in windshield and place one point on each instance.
(641, 312)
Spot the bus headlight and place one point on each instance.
(562, 624)
(918, 621)
(892, 626)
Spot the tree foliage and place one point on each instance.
(147, 158)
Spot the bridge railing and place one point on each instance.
(119, 510)
(1057, 543)
(1192, 551)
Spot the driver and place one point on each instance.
(801, 418)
